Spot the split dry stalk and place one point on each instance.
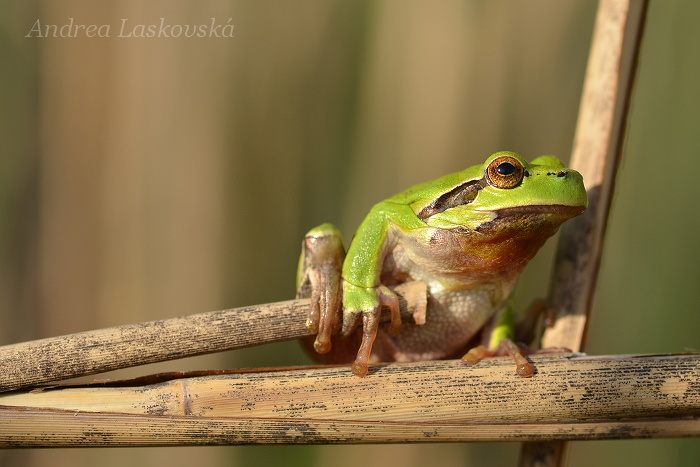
(573, 397)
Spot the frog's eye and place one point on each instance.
(505, 172)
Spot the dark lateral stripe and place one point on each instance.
(458, 196)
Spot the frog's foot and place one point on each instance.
(368, 302)
(320, 279)
(507, 347)
(413, 296)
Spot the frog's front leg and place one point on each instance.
(319, 278)
(363, 293)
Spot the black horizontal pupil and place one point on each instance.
(506, 168)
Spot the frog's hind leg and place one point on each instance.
(501, 344)
(506, 347)
(502, 335)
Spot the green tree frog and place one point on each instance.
(456, 245)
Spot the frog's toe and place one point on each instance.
(322, 344)
(351, 319)
(413, 296)
(389, 299)
(329, 321)
(360, 367)
(475, 354)
(370, 325)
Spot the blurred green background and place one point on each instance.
(145, 178)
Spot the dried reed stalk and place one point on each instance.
(571, 397)
(90, 352)
(596, 154)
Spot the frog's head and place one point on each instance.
(507, 193)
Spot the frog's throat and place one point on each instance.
(532, 220)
